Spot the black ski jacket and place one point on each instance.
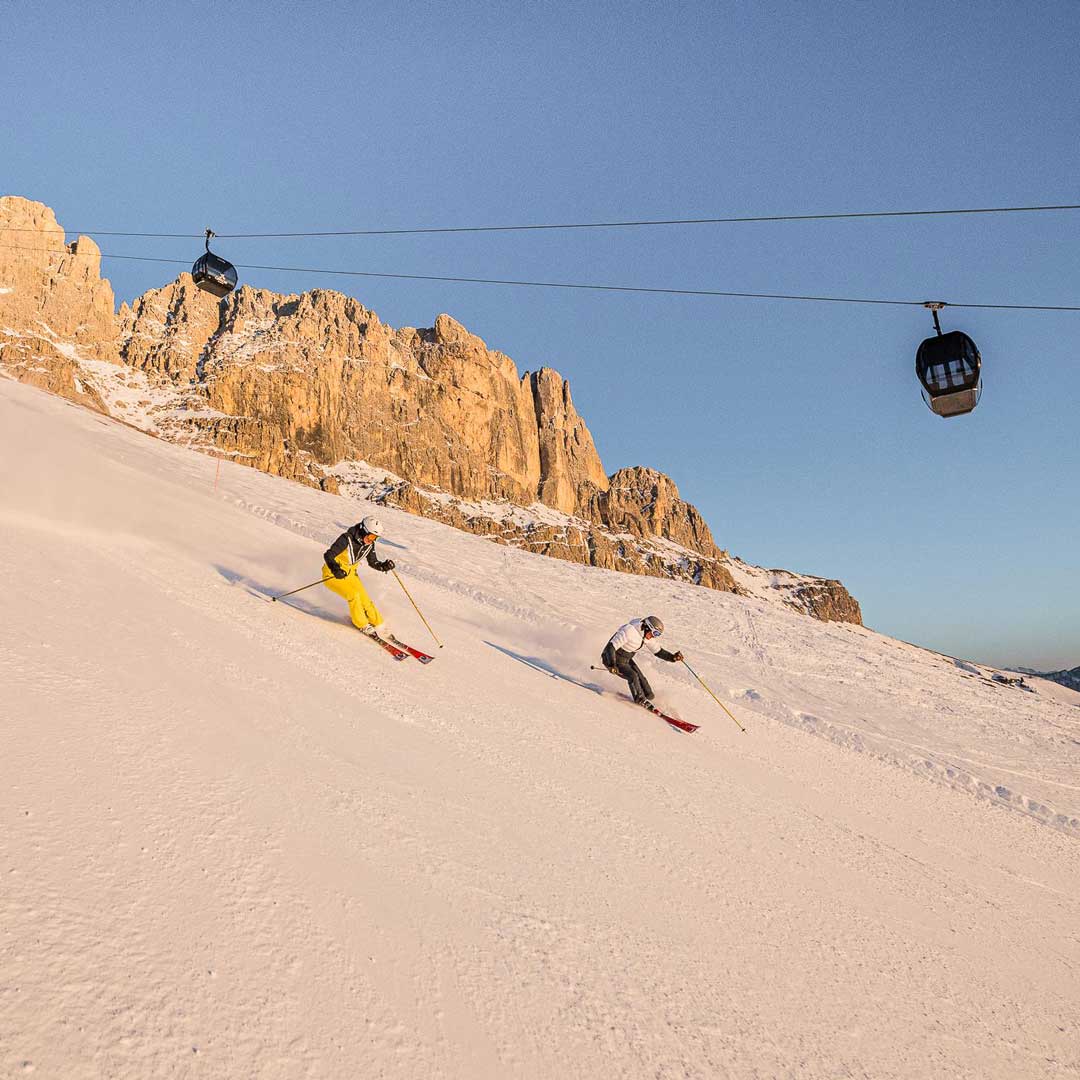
(351, 544)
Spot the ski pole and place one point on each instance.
(418, 611)
(301, 589)
(713, 696)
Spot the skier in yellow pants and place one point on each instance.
(339, 570)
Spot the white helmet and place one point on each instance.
(371, 525)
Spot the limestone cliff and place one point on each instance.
(52, 302)
(316, 388)
(823, 598)
(322, 379)
(541, 529)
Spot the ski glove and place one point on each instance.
(677, 657)
(387, 566)
(338, 572)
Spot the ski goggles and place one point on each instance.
(653, 633)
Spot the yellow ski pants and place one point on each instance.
(362, 609)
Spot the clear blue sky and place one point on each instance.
(796, 428)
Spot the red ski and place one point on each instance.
(393, 650)
(674, 721)
(415, 653)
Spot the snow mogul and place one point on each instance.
(341, 559)
(625, 643)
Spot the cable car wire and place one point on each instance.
(570, 285)
(644, 223)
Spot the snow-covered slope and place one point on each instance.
(238, 840)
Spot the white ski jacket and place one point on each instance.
(631, 638)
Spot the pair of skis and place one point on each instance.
(673, 721)
(397, 649)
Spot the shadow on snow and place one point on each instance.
(545, 667)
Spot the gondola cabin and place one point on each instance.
(212, 273)
(949, 368)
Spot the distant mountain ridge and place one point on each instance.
(315, 388)
(1069, 678)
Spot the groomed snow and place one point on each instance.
(238, 840)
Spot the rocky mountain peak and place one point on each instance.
(448, 331)
(52, 301)
(645, 502)
(314, 387)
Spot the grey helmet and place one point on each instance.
(654, 624)
(371, 525)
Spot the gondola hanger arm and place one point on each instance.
(934, 306)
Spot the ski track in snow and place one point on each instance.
(237, 841)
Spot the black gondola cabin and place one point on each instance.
(949, 368)
(212, 273)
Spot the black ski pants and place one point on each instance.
(626, 667)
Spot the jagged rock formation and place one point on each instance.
(166, 330)
(314, 387)
(52, 301)
(823, 598)
(644, 502)
(319, 379)
(546, 531)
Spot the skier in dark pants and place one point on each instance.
(618, 654)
